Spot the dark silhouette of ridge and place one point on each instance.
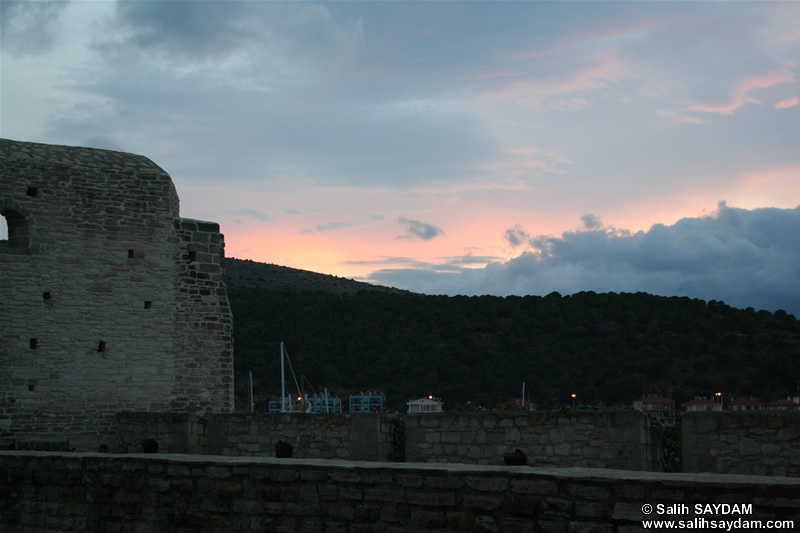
(246, 274)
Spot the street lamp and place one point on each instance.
(573, 399)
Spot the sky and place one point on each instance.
(447, 147)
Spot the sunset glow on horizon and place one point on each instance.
(447, 147)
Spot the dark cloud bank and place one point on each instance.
(746, 258)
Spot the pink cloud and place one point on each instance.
(595, 73)
(791, 36)
(525, 158)
(676, 115)
(789, 102)
(741, 94)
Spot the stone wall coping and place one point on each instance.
(600, 475)
(76, 156)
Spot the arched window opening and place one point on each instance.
(3, 232)
(16, 229)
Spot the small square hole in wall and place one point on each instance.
(192, 256)
(148, 305)
(31, 388)
(46, 295)
(130, 254)
(33, 343)
(32, 191)
(101, 346)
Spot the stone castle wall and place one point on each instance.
(623, 440)
(360, 437)
(752, 442)
(111, 301)
(182, 493)
(599, 439)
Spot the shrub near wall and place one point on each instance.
(599, 439)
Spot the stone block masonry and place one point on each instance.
(111, 301)
(363, 437)
(143, 493)
(598, 439)
(753, 442)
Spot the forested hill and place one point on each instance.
(251, 274)
(608, 347)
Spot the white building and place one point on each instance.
(425, 405)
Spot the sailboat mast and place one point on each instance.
(283, 383)
(250, 394)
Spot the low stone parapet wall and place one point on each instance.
(364, 437)
(596, 439)
(165, 493)
(755, 442)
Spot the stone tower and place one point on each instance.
(110, 301)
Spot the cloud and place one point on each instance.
(741, 93)
(252, 213)
(523, 161)
(292, 86)
(419, 230)
(27, 28)
(746, 258)
(333, 226)
(516, 236)
(199, 32)
(679, 116)
(789, 102)
(591, 222)
(589, 73)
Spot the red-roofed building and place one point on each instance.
(661, 408)
(784, 405)
(702, 405)
(746, 403)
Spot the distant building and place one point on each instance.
(702, 405)
(367, 403)
(661, 408)
(312, 405)
(784, 405)
(746, 403)
(425, 405)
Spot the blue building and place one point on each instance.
(367, 403)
